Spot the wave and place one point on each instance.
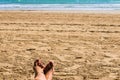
(60, 7)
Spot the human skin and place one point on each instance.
(43, 72)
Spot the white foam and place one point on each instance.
(60, 7)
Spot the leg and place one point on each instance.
(48, 70)
(38, 68)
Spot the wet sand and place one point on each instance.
(84, 46)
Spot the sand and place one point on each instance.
(83, 46)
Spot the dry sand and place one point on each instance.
(84, 46)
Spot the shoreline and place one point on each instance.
(67, 11)
(61, 7)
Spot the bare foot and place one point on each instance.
(48, 70)
(38, 68)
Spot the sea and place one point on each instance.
(60, 5)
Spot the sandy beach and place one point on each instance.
(83, 46)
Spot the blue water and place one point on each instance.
(59, 1)
(59, 4)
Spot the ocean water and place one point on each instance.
(59, 4)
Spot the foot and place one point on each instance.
(48, 70)
(38, 69)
